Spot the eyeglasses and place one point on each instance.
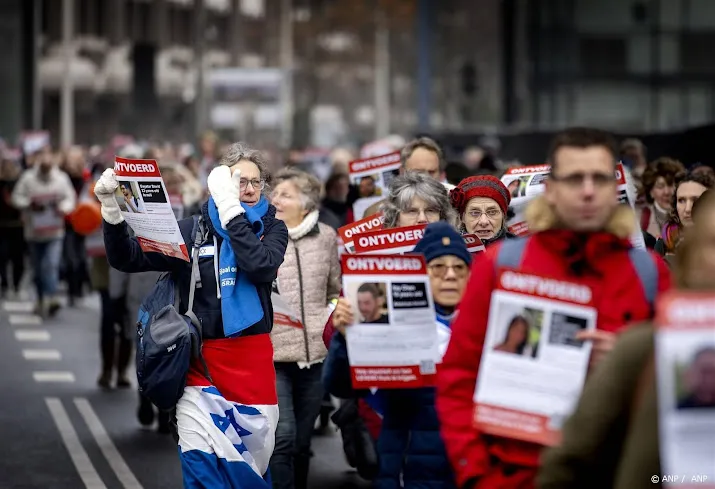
(255, 183)
(431, 214)
(439, 270)
(576, 180)
(490, 213)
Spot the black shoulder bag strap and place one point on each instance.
(199, 238)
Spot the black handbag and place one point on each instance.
(358, 445)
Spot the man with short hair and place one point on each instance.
(422, 155)
(368, 302)
(580, 235)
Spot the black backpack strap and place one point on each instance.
(511, 252)
(200, 234)
(647, 272)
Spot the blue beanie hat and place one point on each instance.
(441, 239)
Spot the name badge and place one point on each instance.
(207, 250)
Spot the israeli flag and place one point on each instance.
(223, 444)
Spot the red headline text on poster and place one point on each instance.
(620, 174)
(366, 224)
(376, 163)
(519, 228)
(149, 245)
(126, 167)
(406, 377)
(518, 425)
(685, 310)
(523, 170)
(383, 264)
(388, 239)
(547, 288)
(474, 243)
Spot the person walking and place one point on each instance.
(12, 244)
(308, 281)
(580, 235)
(236, 267)
(46, 196)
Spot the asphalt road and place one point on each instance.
(59, 431)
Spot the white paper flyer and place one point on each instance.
(146, 207)
(685, 369)
(394, 344)
(532, 368)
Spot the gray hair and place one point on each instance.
(404, 188)
(308, 186)
(425, 143)
(242, 151)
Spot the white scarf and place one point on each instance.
(308, 223)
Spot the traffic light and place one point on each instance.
(469, 79)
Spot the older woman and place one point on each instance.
(482, 203)
(225, 426)
(308, 281)
(415, 198)
(688, 188)
(410, 449)
(657, 188)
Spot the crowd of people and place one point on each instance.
(279, 232)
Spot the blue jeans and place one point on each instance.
(300, 395)
(45, 257)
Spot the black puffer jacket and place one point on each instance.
(258, 258)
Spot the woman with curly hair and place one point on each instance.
(658, 189)
(415, 198)
(688, 189)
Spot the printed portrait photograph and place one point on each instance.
(695, 379)
(564, 328)
(368, 186)
(520, 332)
(129, 198)
(369, 301)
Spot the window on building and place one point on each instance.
(696, 52)
(602, 56)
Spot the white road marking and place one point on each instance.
(48, 376)
(33, 319)
(32, 335)
(79, 456)
(110, 452)
(42, 354)
(18, 306)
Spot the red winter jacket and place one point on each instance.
(483, 461)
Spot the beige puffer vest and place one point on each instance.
(308, 280)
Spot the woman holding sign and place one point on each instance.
(411, 452)
(619, 433)
(308, 281)
(226, 427)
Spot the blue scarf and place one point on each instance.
(240, 305)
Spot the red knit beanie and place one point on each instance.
(479, 186)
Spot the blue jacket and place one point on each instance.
(258, 258)
(410, 447)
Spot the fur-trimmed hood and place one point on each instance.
(541, 217)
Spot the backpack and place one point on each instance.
(511, 253)
(166, 340)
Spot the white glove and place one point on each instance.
(226, 193)
(104, 190)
